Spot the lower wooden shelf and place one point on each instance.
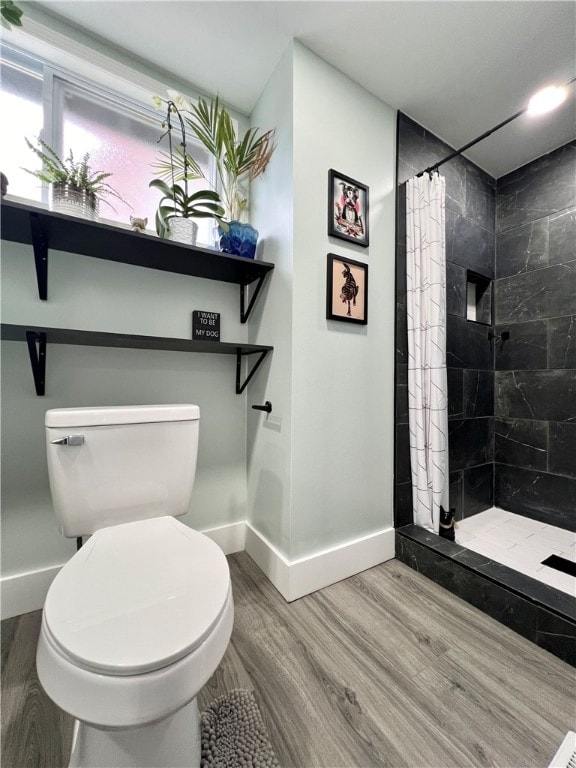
(38, 337)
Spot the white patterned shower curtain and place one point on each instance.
(426, 313)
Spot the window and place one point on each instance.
(21, 105)
(121, 137)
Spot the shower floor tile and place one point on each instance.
(520, 543)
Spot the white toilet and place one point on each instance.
(139, 619)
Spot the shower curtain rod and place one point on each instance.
(485, 135)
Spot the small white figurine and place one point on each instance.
(138, 225)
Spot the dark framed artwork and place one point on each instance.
(347, 209)
(346, 290)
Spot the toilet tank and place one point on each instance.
(115, 465)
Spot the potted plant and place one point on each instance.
(177, 208)
(238, 162)
(74, 188)
(10, 14)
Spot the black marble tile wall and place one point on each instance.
(538, 294)
(468, 345)
(478, 489)
(457, 494)
(521, 443)
(478, 394)
(455, 377)
(472, 490)
(512, 403)
(535, 382)
(403, 474)
(542, 496)
(540, 395)
(549, 446)
(480, 199)
(541, 243)
(401, 393)
(522, 248)
(455, 290)
(470, 442)
(470, 244)
(525, 349)
(403, 504)
(541, 188)
(562, 342)
(562, 450)
(562, 237)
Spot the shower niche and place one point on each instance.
(478, 298)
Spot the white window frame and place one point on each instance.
(65, 60)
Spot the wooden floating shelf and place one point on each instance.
(38, 337)
(44, 230)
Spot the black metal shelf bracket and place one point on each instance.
(241, 387)
(37, 351)
(245, 312)
(40, 246)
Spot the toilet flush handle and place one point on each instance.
(69, 440)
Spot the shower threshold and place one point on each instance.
(521, 543)
(518, 592)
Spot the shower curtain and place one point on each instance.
(426, 314)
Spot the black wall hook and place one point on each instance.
(499, 338)
(267, 407)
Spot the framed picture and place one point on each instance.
(347, 209)
(346, 290)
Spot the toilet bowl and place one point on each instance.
(138, 620)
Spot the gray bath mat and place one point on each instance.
(234, 734)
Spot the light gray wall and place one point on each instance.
(93, 294)
(90, 294)
(311, 483)
(323, 476)
(272, 212)
(343, 379)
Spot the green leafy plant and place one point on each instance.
(176, 201)
(10, 14)
(75, 173)
(238, 160)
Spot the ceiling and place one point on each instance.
(458, 68)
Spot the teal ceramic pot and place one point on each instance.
(240, 239)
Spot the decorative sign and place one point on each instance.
(205, 326)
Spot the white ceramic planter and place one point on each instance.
(72, 201)
(182, 230)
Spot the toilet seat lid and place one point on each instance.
(137, 597)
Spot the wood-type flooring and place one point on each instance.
(383, 669)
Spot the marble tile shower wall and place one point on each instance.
(470, 244)
(535, 380)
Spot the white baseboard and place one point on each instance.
(230, 538)
(274, 564)
(25, 592)
(296, 578)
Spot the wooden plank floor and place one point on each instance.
(383, 669)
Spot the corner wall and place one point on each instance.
(470, 244)
(320, 468)
(94, 294)
(535, 407)
(269, 450)
(314, 480)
